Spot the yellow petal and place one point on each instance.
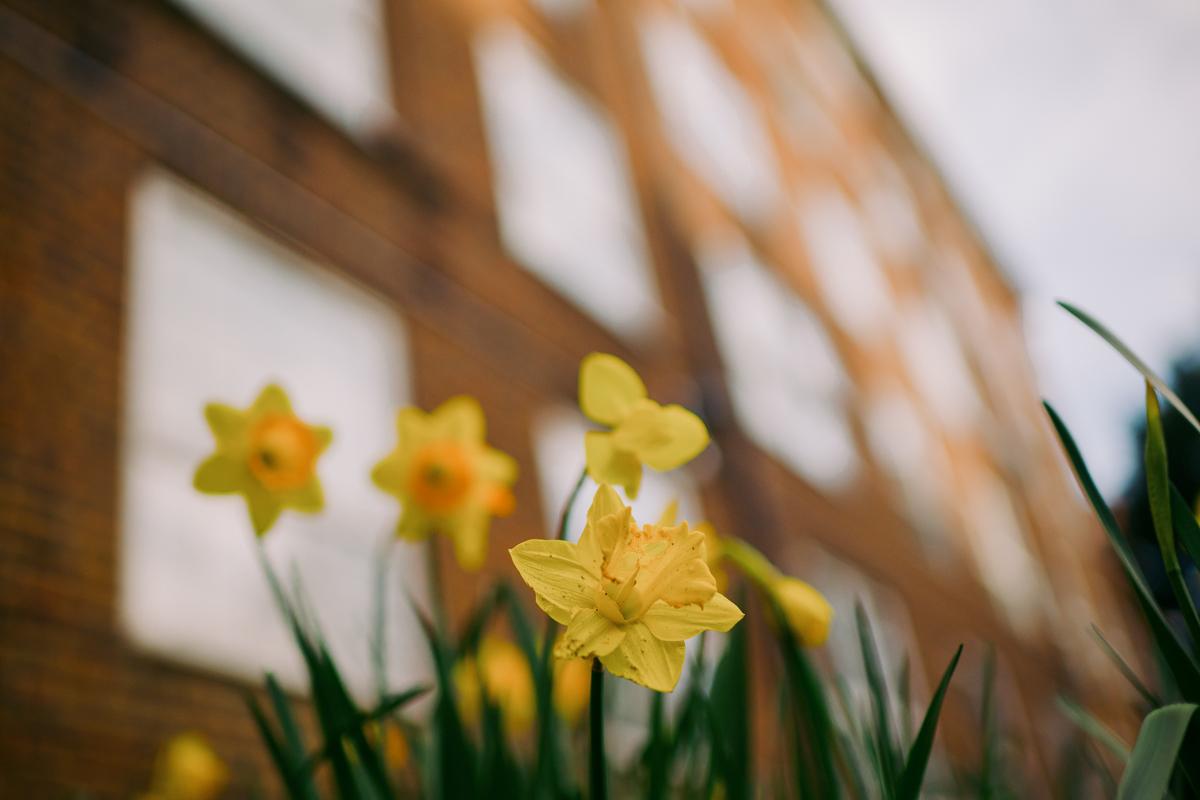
(391, 474)
(263, 505)
(677, 624)
(663, 437)
(414, 525)
(323, 436)
(220, 474)
(808, 613)
(588, 634)
(601, 535)
(552, 570)
(669, 514)
(470, 536)
(679, 575)
(606, 501)
(271, 400)
(608, 388)
(645, 660)
(459, 419)
(226, 422)
(497, 466)
(607, 464)
(412, 428)
(308, 498)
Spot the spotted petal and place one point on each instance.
(646, 660)
(560, 581)
(589, 634)
(672, 624)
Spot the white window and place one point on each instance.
(566, 203)
(788, 385)
(850, 277)
(217, 310)
(330, 52)
(710, 119)
(934, 357)
(1010, 571)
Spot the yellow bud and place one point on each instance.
(188, 769)
(572, 687)
(808, 613)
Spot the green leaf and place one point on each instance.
(1183, 668)
(1138, 364)
(885, 742)
(454, 758)
(1148, 774)
(289, 770)
(1127, 671)
(1094, 728)
(909, 785)
(1186, 527)
(293, 740)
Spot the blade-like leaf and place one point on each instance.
(909, 785)
(1127, 671)
(1148, 774)
(1094, 728)
(1131, 357)
(729, 717)
(1186, 527)
(1183, 668)
(884, 735)
(293, 741)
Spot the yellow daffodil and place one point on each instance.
(501, 671)
(629, 596)
(713, 550)
(267, 454)
(572, 687)
(806, 611)
(642, 431)
(188, 769)
(447, 479)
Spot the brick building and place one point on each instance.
(388, 201)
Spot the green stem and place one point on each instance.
(383, 560)
(597, 768)
(433, 565)
(565, 517)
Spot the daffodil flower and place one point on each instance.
(628, 595)
(642, 431)
(187, 768)
(265, 453)
(572, 688)
(446, 478)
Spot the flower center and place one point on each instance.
(283, 452)
(441, 476)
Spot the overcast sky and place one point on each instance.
(1071, 132)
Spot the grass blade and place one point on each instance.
(909, 785)
(884, 735)
(1183, 668)
(1094, 728)
(1186, 527)
(1131, 357)
(729, 717)
(1127, 671)
(1148, 774)
(1158, 488)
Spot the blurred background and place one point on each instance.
(834, 229)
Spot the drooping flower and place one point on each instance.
(572, 688)
(265, 453)
(500, 672)
(642, 431)
(628, 595)
(805, 610)
(446, 478)
(187, 769)
(808, 613)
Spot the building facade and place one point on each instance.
(390, 201)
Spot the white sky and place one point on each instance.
(1070, 131)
